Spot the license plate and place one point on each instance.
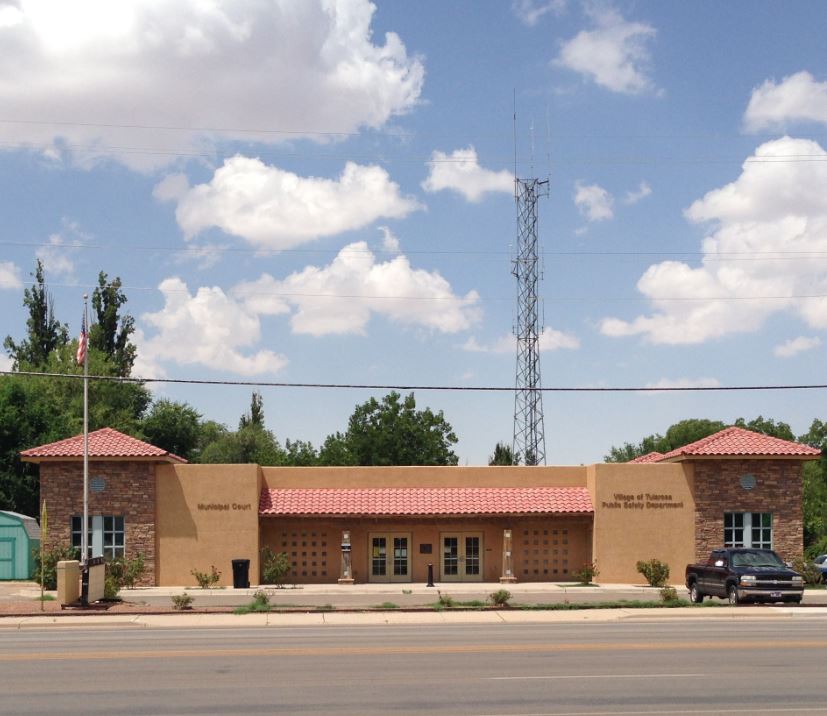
(775, 595)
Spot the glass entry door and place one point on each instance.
(462, 557)
(389, 557)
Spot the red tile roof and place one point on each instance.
(393, 501)
(648, 457)
(734, 441)
(103, 443)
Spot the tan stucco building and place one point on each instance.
(470, 523)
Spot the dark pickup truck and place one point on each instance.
(744, 575)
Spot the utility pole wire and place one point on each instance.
(402, 386)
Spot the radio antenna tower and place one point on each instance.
(529, 433)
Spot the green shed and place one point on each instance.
(19, 538)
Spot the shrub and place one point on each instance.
(807, 569)
(445, 600)
(51, 556)
(500, 598)
(586, 573)
(654, 571)
(669, 594)
(260, 603)
(181, 601)
(122, 572)
(205, 581)
(388, 605)
(274, 566)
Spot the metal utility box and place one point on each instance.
(19, 539)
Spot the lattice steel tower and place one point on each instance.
(529, 433)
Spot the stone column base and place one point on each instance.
(508, 580)
(347, 581)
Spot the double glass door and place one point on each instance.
(390, 557)
(461, 557)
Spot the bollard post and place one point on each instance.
(430, 575)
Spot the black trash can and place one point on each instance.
(241, 573)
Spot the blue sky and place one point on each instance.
(322, 192)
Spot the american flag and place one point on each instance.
(83, 340)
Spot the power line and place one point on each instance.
(413, 387)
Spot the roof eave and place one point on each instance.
(37, 459)
(685, 458)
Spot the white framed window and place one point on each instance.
(106, 536)
(748, 529)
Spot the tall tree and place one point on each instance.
(503, 455)
(394, 432)
(767, 426)
(677, 435)
(44, 333)
(173, 426)
(815, 489)
(255, 417)
(111, 332)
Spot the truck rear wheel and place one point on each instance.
(695, 595)
(732, 595)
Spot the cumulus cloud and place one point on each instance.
(208, 329)
(775, 214)
(794, 346)
(529, 12)
(271, 208)
(341, 297)
(460, 171)
(614, 54)
(390, 243)
(58, 254)
(594, 202)
(797, 98)
(633, 197)
(277, 70)
(550, 340)
(10, 275)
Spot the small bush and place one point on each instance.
(445, 600)
(274, 566)
(654, 571)
(206, 581)
(122, 572)
(180, 602)
(586, 573)
(51, 556)
(388, 605)
(500, 598)
(669, 594)
(807, 569)
(260, 603)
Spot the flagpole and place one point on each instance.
(84, 530)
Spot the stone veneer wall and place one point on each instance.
(129, 491)
(778, 490)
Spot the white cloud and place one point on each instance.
(275, 209)
(633, 197)
(683, 383)
(529, 12)
(460, 171)
(774, 215)
(10, 275)
(207, 329)
(390, 243)
(594, 202)
(794, 346)
(614, 54)
(6, 363)
(797, 98)
(297, 67)
(341, 297)
(550, 340)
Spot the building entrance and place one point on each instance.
(390, 557)
(461, 557)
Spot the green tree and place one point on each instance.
(767, 427)
(173, 426)
(334, 451)
(815, 487)
(503, 455)
(110, 334)
(255, 417)
(394, 432)
(44, 333)
(250, 444)
(677, 435)
(300, 453)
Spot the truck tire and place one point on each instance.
(695, 596)
(732, 595)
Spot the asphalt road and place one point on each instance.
(749, 666)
